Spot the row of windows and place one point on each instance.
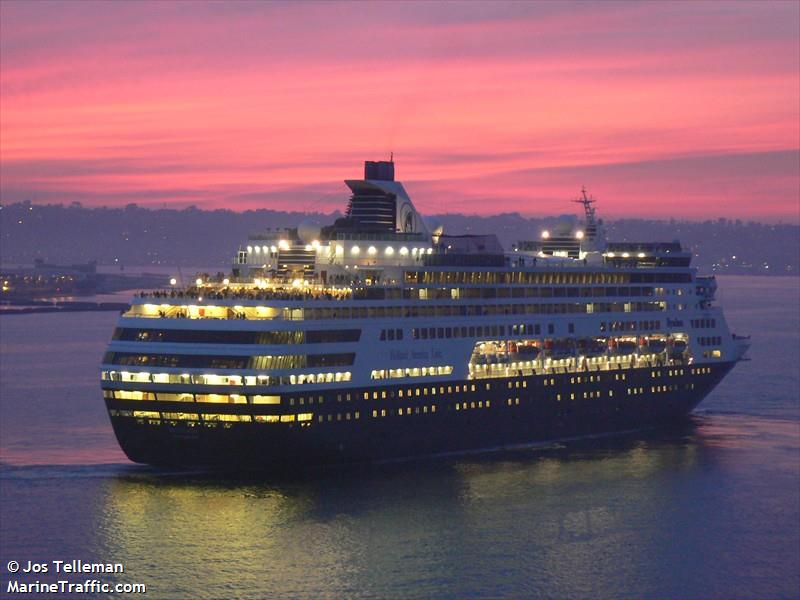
(586, 395)
(651, 325)
(714, 340)
(190, 336)
(703, 323)
(199, 361)
(403, 411)
(411, 372)
(189, 397)
(306, 417)
(213, 379)
(357, 312)
(670, 372)
(457, 293)
(391, 334)
(213, 417)
(556, 277)
(432, 333)
(473, 404)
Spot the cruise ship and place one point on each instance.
(382, 337)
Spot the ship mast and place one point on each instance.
(589, 212)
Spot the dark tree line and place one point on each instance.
(138, 236)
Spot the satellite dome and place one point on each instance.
(308, 231)
(564, 226)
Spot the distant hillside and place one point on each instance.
(140, 236)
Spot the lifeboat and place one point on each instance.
(656, 345)
(591, 348)
(528, 350)
(595, 349)
(677, 348)
(626, 347)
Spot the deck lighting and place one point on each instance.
(579, 235)
(611, 255)
(173, 281)
(545, 234)
(283, 244)
(389, 250)
(249, 249)
(625, 255)
(403, 251)
(226, 281)
(371, 250)
(641, 254)
(355, 250)
(273, 249)
(199, 281)
(308, 247)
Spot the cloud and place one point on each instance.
(228, 102)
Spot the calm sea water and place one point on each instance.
(711, 510)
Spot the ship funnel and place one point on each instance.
(379, 170)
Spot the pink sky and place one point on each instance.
(688, 110)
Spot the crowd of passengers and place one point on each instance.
(254, 294)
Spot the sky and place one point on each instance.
(671, 109)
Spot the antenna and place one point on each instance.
(391, 157)
(589, 212)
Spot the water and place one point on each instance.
(711, 510)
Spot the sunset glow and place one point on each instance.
(661, 109)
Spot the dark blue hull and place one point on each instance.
(498, 413)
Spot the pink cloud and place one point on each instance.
(110, 101)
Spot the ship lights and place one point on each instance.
(355, 250)
(403, 251)
(273, 249)
(226, 281)
(283, 244)
(625, 255)
(611, 255)
(579, 235)
(173, 281)
(641, 254)
(389, 250)
(315, 244)
(199, 281)
(249, 249)
(545, 234)
(371, 250)
(308, 247)
(257, 249)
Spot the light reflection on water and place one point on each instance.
(645, 515)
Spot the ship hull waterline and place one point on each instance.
(515, 416)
